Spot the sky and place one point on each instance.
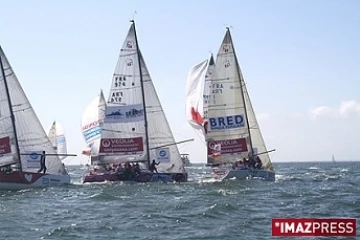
(300, 60)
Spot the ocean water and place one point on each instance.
(199, 209)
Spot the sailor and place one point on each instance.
(136, 168)
(258, 163)
(63, 170)
(252, 162)
(246, 163)
(42, 162)
(152, 167)
(120, 168)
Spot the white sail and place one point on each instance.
(124, 136)
(91, 123)
(8, 151)
(198, 86)
(30, 133)
(57, 138)
(204, 101)
(257, 140)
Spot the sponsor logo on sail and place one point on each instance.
(60, 138)
(90, 125)
(163, 154)
(32, 159)
(129, 113)
(121, 145)
(92, 130)
(226, 123)
(105, 143)
(5, 146)
(226, 146)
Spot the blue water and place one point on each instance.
(199, 209)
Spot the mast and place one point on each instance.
(143, 96)
(242, 91)
(11, 110)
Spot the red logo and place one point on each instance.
(121, 145)
(228, 146)
(196, 116)
(313, 227)
(5, 145)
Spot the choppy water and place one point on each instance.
(199, 209)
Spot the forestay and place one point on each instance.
(57, 138)
(227, 127)
(91, 123)
(30, 133)
(123, 137)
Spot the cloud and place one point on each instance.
(349, 108)
(345, 109)
(297, 115)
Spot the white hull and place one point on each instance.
(27, 180)
(246, 174)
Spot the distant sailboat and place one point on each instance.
(333, 159)
(91, 124)
(230, 127)
(57, 138)
(135, 128)
(23, 139)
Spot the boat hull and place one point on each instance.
(243, 174)
(26, 180)
(141, 177)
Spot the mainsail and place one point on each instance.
(198, 85)
(31, 137)
(232, 121)
(135, 127)
(57, 138)
(91, 125)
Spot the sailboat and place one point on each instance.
(56, 134)
(23, 139)
(135, 129)
(91, 124)
(333, 159)
(231, 131)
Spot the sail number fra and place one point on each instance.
(228, 122)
